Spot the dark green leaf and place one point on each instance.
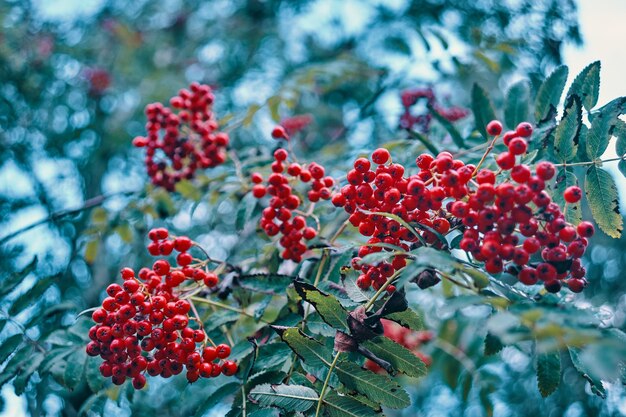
(12, 281)
(482, 109)
(566, 133)
(245, 210)
(75, 369)
(345, 406)
(621, 165)
(31, 296)
(94, 406)
(16, 363)
(287, 397)
(603, 200)
(549, 94)
(620, 133)
(596, 383)
(548, 372)
(565, 178)
(265, 282)
(407, 318)
(450, 128)
(265, 412)
(326, 305)
(397, 44)
(400, 358)
(516, 104)
(493, 344)
(604, 124)
(216, 398)
(355, 292)
(9, 345)
(20, 382)
(586, 85)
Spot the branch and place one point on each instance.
(91, 203)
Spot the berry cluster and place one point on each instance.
(290, 126)
(143, 326)
(277, 218)
(410, 339)
(504, 224)
(179, 142)
(410, 97)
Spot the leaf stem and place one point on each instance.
(227, 307)
(326, 381)
(594, 162)
(382, 289)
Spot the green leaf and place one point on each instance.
(16, 363)
(20, 382)
(586, 85)
(603, 126)
(548, 372)
(287, 397)
(407, 318)
(398, 356)
(245, 210)
(450, 128)
(273, 104)
(355, 292)
(249, 117)
(327, 306)
(603, 200)
(94, 378)
(9, 345)
(565, 178)
(493, 344)
(265, 412)
(91, 250)
(216, 398)
(587, 373)
(566, 133)
(621, 165)
(620, 133)
(516, 104)
(549, 94)
(12, 281)
(397, 44)
(345, 406)
(265, 282)
(75, 369)
(31, 296)
(308, 349)
(188, 190)
(378, 388)
(482, 109)
(94, 406)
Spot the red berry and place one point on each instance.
(223, 351)
(380, 156)
(279, 132)
(161, 267)
(494, 128)
(572, 194)
(585, 229)
(182, 244)
(524, 129)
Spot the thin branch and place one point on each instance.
(227, 307)
(595, 162)
(326, 381)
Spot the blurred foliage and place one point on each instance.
(71, 99)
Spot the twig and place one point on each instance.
(326, 381)
(227, 307)
(489, 149)
(595, 162)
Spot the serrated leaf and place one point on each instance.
(482, 109)
(400, 358)
(603, 201)
(326, 305)
(620, 133)
(334, 272)
(549, 94)
(407, 318)
(245, 210)
(75, 369)
(345, 406)
(13, 280)
(493, 344)
(378, 388)
(9, 345)
(265, 282)
(604, 124)
(20, 382)
(586, 85)
(548, 372)
(216, 398)
(566, 133)
(15, 364)
(595, 382)
(94, 378)
(353, 291)
(621, 166)
(31, 296)
(94, 406)
(265, 412)
(287, 397)
(516, 104)
(564, 179)
(308, 349)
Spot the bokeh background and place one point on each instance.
(75, 76)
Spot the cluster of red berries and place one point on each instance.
(446, 193)
(143, 326)
(410, 97)
(410, 339)
(277, 218)
(290, 126)
(179, 142)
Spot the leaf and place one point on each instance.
(407, 318)
(265, 412)
(125, 232)
(516, 104)
(20, 382)
(620, 133)
(568, 130)
(9, 345)
(273, 104)
(327, 306)
(188, 190)
(548, 372)
(245, 210)
(355, 292)
(345, 406)
(249, 117)
(397, 44)
(75, 369)
(595, 382)
(378, 388)
(549, 94)
(586, 85)
(12, 281)
(216, 398)
(398, 356)
(265, 282)
(17, 362)
(493, 344)
(91, 250)
(308, 349)
(94, 406)
(31, 296)
(603, 200)
(482, 109)
(565, 178)
(621, 165)
(450, 128)
(287, 397)
(94, 378)
(604, 124)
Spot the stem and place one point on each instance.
(339, 232)
(243, 400)
(489, 149)
(227, 307)
(422, 139)
(382, 289)
(454, 281)
(595, 162)
(326, 381)
(318, 276)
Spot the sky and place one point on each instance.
(603, 26)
